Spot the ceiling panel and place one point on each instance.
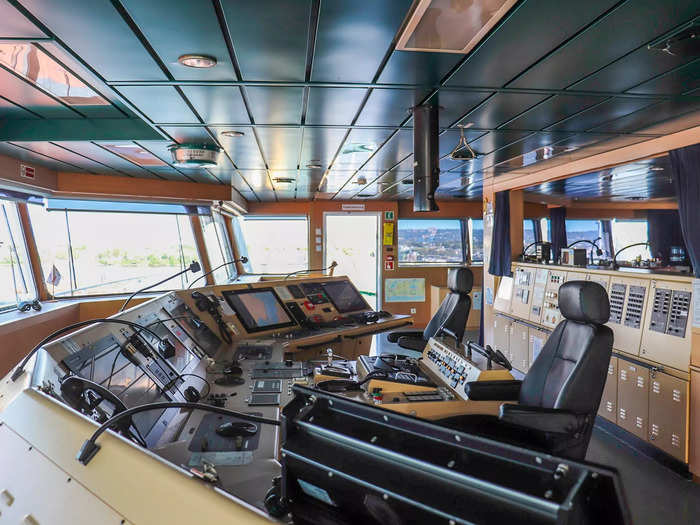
(552, 110)
(319, 145)
(281, 147)
(275, 105)
(645, 117)
(269, 37)
(244, 151)
(161, 104)
(170, 173)
(333, 106)
(14, 25)
(7, 148)
(258, 179)
(416, 67)
(455, 104)
(8, 110)
(103, 40)
(497, 139)
(355, 33)
(630, 70)
(64, 155)
(387, 107)
(394, 151)
(500, 108)
(629, 26)
(180, 28)
(100, 154)
(679, 81)
(603, 112)
(360, 144)
(523, 38)
(528, 144)
(24, 94)
(218, 104)
(188, 134)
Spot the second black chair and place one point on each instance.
(451, 315)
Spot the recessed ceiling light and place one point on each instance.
(314, 165)
(197, 61)
(283, 180)
(656, 168)
(232, 133)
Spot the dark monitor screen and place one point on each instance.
(259, 309)
(344, 296)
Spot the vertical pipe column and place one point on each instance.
(426, 157)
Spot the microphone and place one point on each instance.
(194, 267)
(241, 260)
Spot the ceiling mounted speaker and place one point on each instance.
(683, 43)
(194, 155)
(426, 157)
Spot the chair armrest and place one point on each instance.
(393, 337)
(506, 390)
(545, 419)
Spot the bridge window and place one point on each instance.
(476, 240)
(16, 281)
(218, 246)
(626, 232)
(278, 245)
(105, 248)
(432, 241)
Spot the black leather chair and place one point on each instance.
(559, 397)
(452, 314)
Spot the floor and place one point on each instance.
(655, 494)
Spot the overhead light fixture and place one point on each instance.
(283, 180)
(194, 155)
(232, 133)
(451, 26)
(635, 198)
(197, 61)
(656, 168)
(314, 165)
(463, 151)
(407, 181)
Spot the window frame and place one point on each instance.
(464, 235)
(225, 247)
(28, 280)
(95, 208)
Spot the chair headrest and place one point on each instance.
(460, 280)
(584, 301)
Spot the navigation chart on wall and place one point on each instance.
(404, 290)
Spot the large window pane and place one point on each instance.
(476, 240)
(218, 247)
(102, 252)
(16, 283)
(426, 241)
(578, 230)
(277, 244)
(528, 232)
(626, 232)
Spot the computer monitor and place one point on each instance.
(344, 296)
(259, 309)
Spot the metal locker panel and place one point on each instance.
(608, 403)
(520, 346)
(668, 398)
(633, 398)
(537, 340)
(501, 334)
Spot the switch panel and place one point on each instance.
(678, 317)
(635, 306)
(617, 302)
(660, 309)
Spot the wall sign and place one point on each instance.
(26, 171)
(388, 265)
(404, 290)
(388, 234)
(352, 207)
(388, 215)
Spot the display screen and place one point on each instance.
(259, 309)
(344, 296)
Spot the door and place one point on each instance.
(352, 240)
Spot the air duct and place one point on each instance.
(426, 157)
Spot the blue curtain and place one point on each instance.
(664, 231)
(557, 219)
(499, 263)
(685, 165)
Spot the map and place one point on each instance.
(404, 290)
